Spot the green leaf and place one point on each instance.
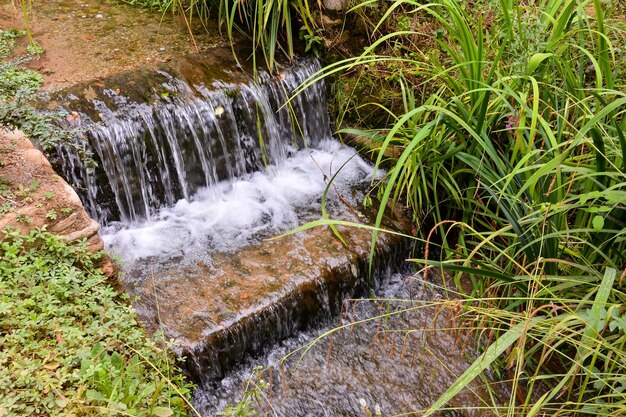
(96, 350)
(483, 362)
(162, 411)
(117, 361)
(598, 222)
(536, 60)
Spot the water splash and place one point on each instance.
(192, 137)
(237, 212)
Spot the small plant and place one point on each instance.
(252, 399)
(5, 208)
(34, 185)
(51, 215)
(22, 218)
(35, 49)
(312, 41)
(7, 41)
(403, 23)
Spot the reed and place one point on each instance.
(519, 157)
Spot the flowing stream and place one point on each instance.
(394, 352)
(192, 177)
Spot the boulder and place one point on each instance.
(33, 196)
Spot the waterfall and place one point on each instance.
(150, 155)
(193, 176)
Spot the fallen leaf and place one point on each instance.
(52, 366)
(244, 296)
(90, 93)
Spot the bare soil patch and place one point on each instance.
(90, 39)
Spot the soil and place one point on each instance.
(89, 39)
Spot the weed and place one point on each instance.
(253, 396)
(70, 344)
(22, 218)
(7, 41)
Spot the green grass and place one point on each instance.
(272, 27)
(516, 154)
(70, 344)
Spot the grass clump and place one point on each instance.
(514, 162)
(69, 343)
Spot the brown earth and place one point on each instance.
(90, 39)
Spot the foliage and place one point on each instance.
(18, 89)
(517, 155)
(69, 343)
(7, 41)
(269, 23)
(159, 5)
(14, 80)
(272, 26)
(253, 396)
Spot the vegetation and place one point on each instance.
(70, 344)
(516, 154)
(272, 26)
(19, 88)
(269, 24)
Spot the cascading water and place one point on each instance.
(152, 155)
(194, 172)
(210, 167)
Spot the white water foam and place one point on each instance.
(233, 213)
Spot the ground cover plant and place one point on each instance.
(70, 344)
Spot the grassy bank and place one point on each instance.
(70, 344)
(514, 162)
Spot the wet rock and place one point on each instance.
(243, 302)
(335, 5)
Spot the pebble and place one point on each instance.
(99, 16)
(161, 49)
